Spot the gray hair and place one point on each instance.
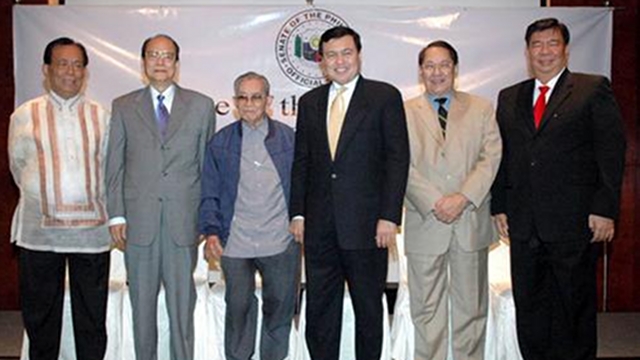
(251, 75)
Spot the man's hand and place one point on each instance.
(119, 236)
(386, 232)
(602, 228)
(212, 248)
(502, 224)
(449, 208)
(296, 227)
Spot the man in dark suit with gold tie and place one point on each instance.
(349, 176)
(557, 194)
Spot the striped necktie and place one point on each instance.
(442, 115)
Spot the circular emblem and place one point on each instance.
(298, 43)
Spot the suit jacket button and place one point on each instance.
(334, 176)
(533, 163)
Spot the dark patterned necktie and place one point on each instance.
(442, 115)
(162, 117)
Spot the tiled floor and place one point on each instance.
(619, 335)
(10, 334)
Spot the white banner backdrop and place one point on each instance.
(220, 42)
(432, 3)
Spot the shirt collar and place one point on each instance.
(62, 103)
(168, 93)
(435, 104)
(262, 128)
(350, 85)
(551, 83)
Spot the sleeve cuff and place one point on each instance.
(118, 220)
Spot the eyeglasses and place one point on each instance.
(444, 67)
(158, 55)
(254, 98)
(64, 65)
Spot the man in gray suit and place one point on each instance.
(156, 150)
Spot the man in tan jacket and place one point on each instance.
(455, 154)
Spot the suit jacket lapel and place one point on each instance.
(146, 111)
(525, 105)
(560, 93)
(355, 113)
(321, 111)
(429, 117)
(457, 109)
(178, 113)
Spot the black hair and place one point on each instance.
(441, 44)
(64, 41)
(546, 24)
(338, 32)
(148, 40)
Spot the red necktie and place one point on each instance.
(541, 103)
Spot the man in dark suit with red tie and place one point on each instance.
(348, 182)
(557, 194)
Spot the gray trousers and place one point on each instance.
(280, 279)
(162, 262)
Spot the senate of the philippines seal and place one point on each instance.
(298, 43)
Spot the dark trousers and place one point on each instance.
(42, 286)
(365, 271)
(554, 287)
(280, 284)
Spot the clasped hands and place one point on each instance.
(449, 208)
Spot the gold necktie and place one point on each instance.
(336, 119)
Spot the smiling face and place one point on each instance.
(547, 54)
(160, 63)
(65, 75)
(437, 71)
(341, 59)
